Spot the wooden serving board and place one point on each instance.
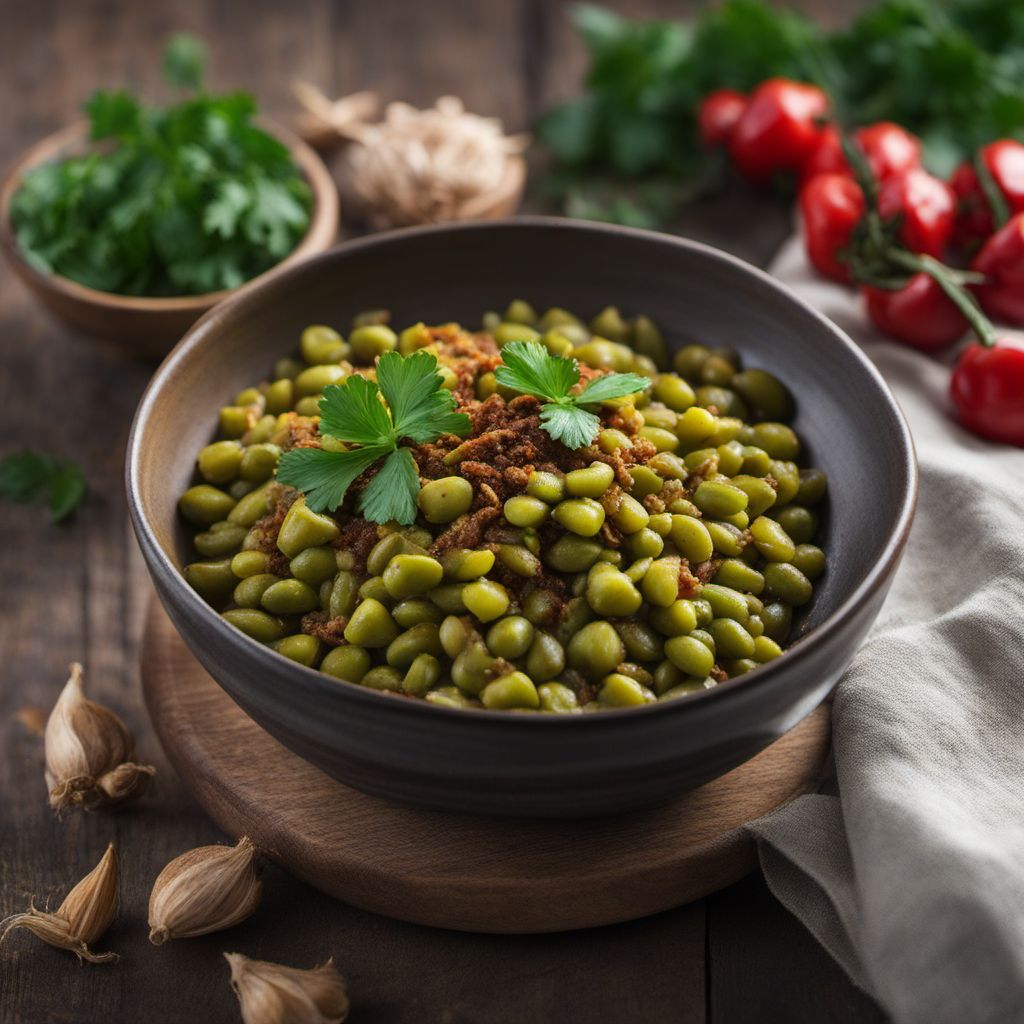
(455, 871)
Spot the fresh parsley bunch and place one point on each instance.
(567, 417)
(419, 408)
(183, 199)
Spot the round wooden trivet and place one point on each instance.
(455, 871)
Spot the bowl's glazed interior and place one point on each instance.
(846, 417)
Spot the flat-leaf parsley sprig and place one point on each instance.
(567, 417)
(419, 408)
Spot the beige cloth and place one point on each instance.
(913, 877)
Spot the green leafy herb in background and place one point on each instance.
(419, 408)
(567, 417)
(34, 476)
(183, 199)
(627, 149)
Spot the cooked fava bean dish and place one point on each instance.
(536, 516)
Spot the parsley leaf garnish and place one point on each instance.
(31, 476)
(530, 368)
(418, 408)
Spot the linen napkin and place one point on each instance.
(913, 877)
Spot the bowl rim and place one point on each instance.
(321, 233)
(314, 680)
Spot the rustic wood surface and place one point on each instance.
(452, 870)
(79, 591)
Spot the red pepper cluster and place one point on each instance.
(885, 225)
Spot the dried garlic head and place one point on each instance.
(272, 994)
(89, 753)
(205, 890)
(81, 919)
(427, 166)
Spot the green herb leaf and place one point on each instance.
(421, 405)
(353, 412)
(29, 476)
(530, 368)
(419, 408)
(184, 61)
(391, 494)
(324, 476)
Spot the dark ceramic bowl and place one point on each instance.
(550, 765)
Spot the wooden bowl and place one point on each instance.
(149, 327)
(536, 765)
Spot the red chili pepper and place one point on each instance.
(831, 205)
(987, 389)
(778, 129)
(919, 313)
(1001, 260)
(717, 116)
(1004, 160)
(890, 150)
(926, 207)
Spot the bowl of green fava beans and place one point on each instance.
(530, 517)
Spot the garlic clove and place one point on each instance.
(270, 993)
(85, 743)
(204, 890)
(82, 918)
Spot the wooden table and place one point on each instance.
(79, 591)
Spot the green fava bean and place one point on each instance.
(644, 543)
(212, 580)
(542, 607)
(374, 587)
(472, 668)
(254, 506)
(221, 539)
(280, 396)
(510, 638)
(719, 500)
(506, 332)
(423, 674)
(415, 610)
(661, 583)
(322, 344)
(582, 516)
(259, 462)
(524, 510)
(422, 639)
(558, 699)
(813, 485)
(726, 538)
(737, 575)
(411, 575)
(801, 524)
(760, 494)
(249, 563)
(313, 380)
(645, 481)
(444, 500)
(765, 649)
(786, 582)
(573, 554)
(249, 592)
(767, 396)
(630, 516)
(371, 341)
(219, 462)
(344, 595)
(515, 690)
(289, 597)
(787, 478)
(771, 540)
(370, 625)
(313, 565)
(464, 565)
(641, 640)
(619, 691)
(725, 602)
(810, 560)
(591, 482)
(383, 677)
(731, 639)
(519, 560)
(303, 528)
(690, 656)
(204, 505)
(299, 647)
(255, 623)
(346, 662)
(778, 440)
(485, 599)
(548, 487)
(691, 539)
(595, 650)
(448, 597)
(612, 593)
(546, 658)
(777, 619)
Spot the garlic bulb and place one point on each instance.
(89, 753)
(204, 890)
(273, 994)
(82, 918)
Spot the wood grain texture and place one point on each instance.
(80, 591)
(456, 871)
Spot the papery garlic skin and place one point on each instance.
(271, 993)
(205, 890)
(82, 918)
(89, 753)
